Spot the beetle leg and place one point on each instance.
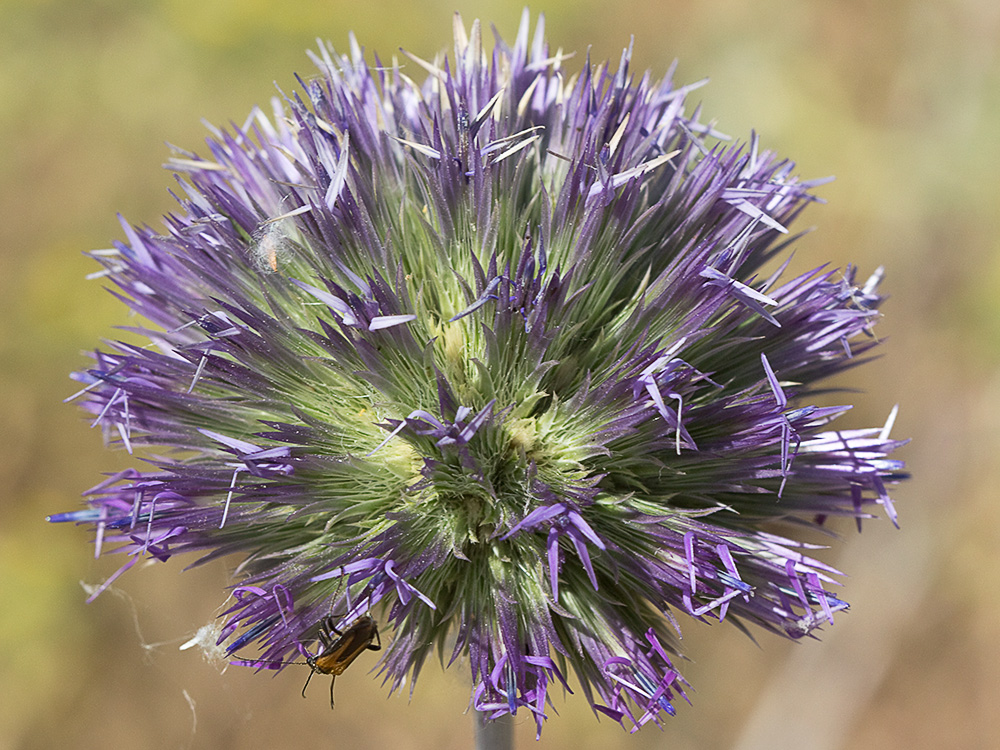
(312, 671)
(325, 629)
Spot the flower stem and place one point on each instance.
(494, 735)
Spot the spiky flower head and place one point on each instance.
(494, 356)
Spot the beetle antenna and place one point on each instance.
(263, 664)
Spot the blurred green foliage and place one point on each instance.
(900, 99)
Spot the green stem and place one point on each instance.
(494, 735)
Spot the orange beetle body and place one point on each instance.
(341, 648)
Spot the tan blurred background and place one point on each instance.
(900, 100)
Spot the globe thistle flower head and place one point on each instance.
(489, 350)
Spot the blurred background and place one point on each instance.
(899, 99)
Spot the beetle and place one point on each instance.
(341, 648)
